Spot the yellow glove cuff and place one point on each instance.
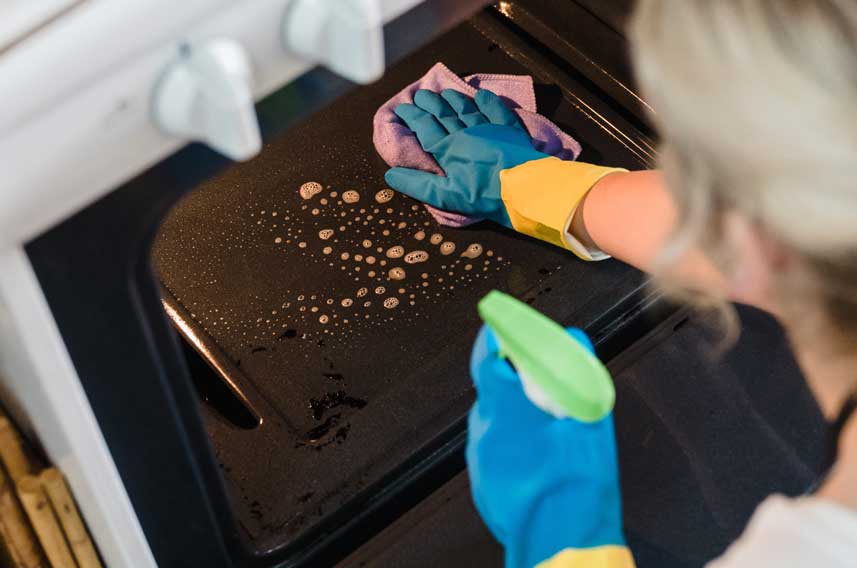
(541, 197)
(610, 556)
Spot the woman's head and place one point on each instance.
(756, 101)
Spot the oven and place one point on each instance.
(221, 384)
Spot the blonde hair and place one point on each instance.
(756, 102)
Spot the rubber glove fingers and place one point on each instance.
(438, 107)
(423, 186)
(423, 124)
(496, 110)
(465, 106)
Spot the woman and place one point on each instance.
(755, 202)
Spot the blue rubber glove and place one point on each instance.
(492, 169)
(547, 488)
(473, 140)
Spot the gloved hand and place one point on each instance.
(547, 488)
(492, 169)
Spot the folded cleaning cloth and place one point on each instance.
(398, 146)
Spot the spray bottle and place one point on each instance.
(559, 374)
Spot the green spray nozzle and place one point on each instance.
(566, 372)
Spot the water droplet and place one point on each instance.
(416, 256)
(310, 189)
(384, 195)
(472, 251)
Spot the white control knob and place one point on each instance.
(206, 96)
(346, 36)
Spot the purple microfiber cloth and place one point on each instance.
(398, 146)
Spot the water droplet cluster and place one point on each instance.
(362, 247)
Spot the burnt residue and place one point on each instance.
(258, 350)
(333, 399)
(332, 430)
(545, 271)
(342, 433)
(306, 497)
(317, 433)
(288, 334)
(334, 376)
(321, 437)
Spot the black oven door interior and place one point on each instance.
(283, 272)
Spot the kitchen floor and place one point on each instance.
(702, 440)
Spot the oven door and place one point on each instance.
(251, 423)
